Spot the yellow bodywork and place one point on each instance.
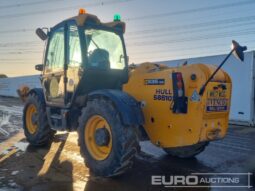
(168, 129)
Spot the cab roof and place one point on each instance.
(82, 19)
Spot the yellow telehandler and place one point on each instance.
(88, 86)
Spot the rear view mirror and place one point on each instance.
(42, 35)
(39, 67)
(238, 50)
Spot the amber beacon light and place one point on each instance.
(82, 11)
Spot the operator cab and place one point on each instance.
(83, 55)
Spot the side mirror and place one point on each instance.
(41, 34)
(238, 50)
(39, 67)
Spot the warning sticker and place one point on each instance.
(216, 101)
(195, 96)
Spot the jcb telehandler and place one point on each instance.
(88, 86)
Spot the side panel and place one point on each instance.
(242, 75)
(166, 128)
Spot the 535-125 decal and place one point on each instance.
(216, 101)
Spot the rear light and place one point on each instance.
(179, 99)
(179, 84)
(180, 92)
(179, 76)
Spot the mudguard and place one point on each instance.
(38, 92)
(129, 109)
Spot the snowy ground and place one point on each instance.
(10, 117)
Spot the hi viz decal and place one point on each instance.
(154, 81)
(216, 101)
(163, 95)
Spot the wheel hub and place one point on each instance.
(31, 119)
(34, 118)
(98, 137)
(102, 137)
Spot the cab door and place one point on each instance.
(74, 61)
(53, 78)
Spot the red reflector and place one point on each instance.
(179, 76)
(179, 84)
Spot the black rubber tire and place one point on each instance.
(44, 133)
(125, 144)
(186, 151)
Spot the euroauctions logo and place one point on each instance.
(202, 180)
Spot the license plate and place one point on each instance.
(216, 101)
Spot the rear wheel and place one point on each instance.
(187, 151)
(98, 137)
(108, 146)
(35, 123)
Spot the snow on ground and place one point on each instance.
(10, 117)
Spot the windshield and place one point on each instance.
(105, 49)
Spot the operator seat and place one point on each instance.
(100, 75)
(99, 59)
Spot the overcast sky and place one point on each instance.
(157, 30)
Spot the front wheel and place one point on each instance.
(35, 123)
(107, 145)
(186, 151)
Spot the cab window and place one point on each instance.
(74, 47)
(55, 55)
(105, 49)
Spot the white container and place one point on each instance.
(9, 86)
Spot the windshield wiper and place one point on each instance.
(95, 43)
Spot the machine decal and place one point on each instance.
(214, 105)
(195, 96)
(154, 81)
(163, 95)
(216, 101)
(54, 86)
